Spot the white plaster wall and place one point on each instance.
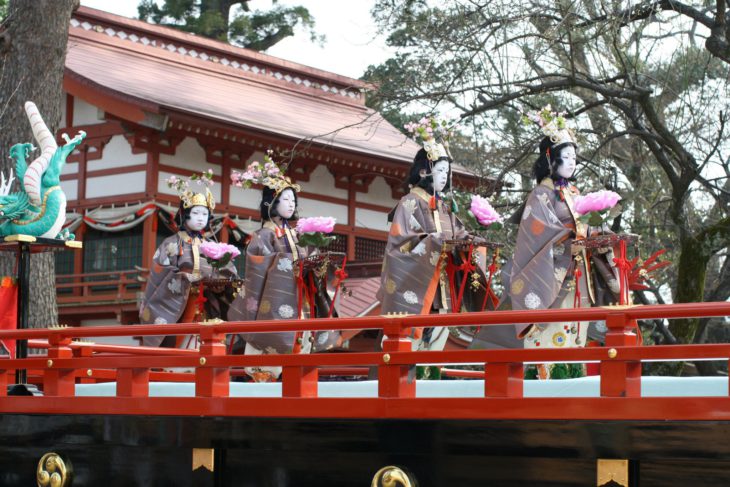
(198, 188)
(190, 156)
(379, 193)
(308, 208)
(84, 113)
(245, 198)
(374, 220)
(101, 186)
(71, 189)
(70, 168)
(321, 181)
(117, 153)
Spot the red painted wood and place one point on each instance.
(575, 408)
(393, 379)
(59, 380)
(299, 382)
(211, 381)
(133, 382)
(503, 379)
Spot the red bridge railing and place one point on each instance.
(133, 368)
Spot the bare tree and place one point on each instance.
(650, 103)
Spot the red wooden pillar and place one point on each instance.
(79, 289)
(393, 378)
(620, 378)
(225, 231)
(133, 382)
(58, 382)
(351, 209)
(212, 381)
(149, 239)
(503, 379)
(299, 381)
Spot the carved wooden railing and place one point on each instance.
(620, 370)
(93, 288)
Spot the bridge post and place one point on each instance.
(393, 379)
(619, 378)
(210, 381)
(58, 382)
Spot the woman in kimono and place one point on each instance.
(178, 274)
(548, 270)
(421, 238)
(272, 288)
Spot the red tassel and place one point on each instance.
(432, 203)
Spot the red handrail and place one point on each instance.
(620, 378)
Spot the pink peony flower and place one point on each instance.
(483, 211)
(217, 251)
(323, 224)
(598, 201)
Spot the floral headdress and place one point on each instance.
(268, 174)
(433, 134)
(189, 197)
(552, 124)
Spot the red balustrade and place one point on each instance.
(67, 362)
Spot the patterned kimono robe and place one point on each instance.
(169, 293)
(414, 280)
(271, 293)
(543, 270)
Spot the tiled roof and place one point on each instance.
(360, 296)
(178, 73)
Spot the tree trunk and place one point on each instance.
(32, 56)
(691, 273)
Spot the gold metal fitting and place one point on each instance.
(49, 363)
(392, 476)
(386, 358)
(612, 353)
(88, 372)
(53, 471)
(202, 360)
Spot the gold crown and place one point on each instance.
(435, 150)
(191, 199)
(280, 183)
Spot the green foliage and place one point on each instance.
(231, 21)
(3, 9)
(315, 239)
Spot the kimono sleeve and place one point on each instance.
(167, 288)
(535, 282)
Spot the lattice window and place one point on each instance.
(107, 251)
(339, 245)
(64, 266)
(369, 250)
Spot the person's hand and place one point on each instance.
(192, 277)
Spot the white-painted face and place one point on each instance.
(440, 174)
(287, 204)
(198, 218)
(567, 168)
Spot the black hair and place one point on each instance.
(420, 162)
(549, 160)
(269, 200)
(183, 215)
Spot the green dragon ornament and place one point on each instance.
(39, 208)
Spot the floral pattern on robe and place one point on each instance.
(414, 280)
(271, 292)
(168, 289)
(542, 270)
